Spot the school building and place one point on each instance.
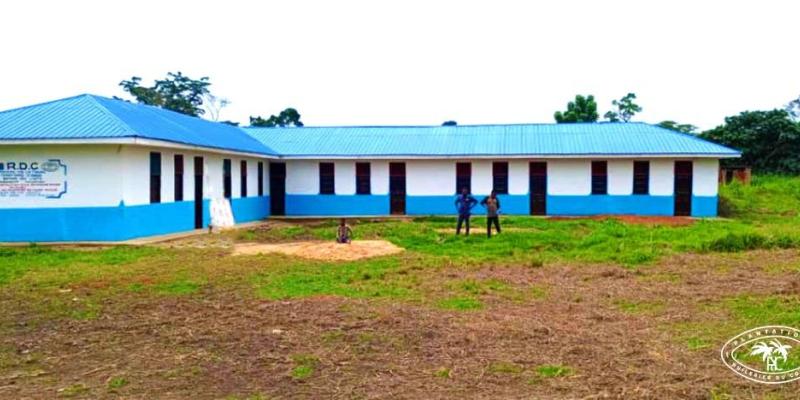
(89, 168)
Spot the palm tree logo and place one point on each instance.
(771, 353)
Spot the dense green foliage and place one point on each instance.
(769, 140)
(176, 92)
(624, 109)
(287, 117)
(685, 128)
(449, 123)
(582, 109)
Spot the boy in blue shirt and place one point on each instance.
(464, 204)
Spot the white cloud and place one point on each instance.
(414, 62)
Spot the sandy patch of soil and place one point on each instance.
(321, 250)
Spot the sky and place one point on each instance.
(414, 62)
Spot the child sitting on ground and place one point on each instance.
(344, 232)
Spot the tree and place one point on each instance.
(769, 140)
(287, 117)
(685, 128)
(214, 105)
(793, 108)
(449, 123)
(583, 109)
(624, 110)
(177, 92)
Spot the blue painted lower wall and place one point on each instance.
(610, 204)
(115, 223)
(250, 208)
(342, 205)
(336, 205)
(128, 222)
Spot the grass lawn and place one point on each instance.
(550, 308)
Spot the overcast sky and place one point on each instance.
(414, 62)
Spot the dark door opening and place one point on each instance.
(683, 188)
(277, 188)
(537, 187)
(397, 188)
(198, 193)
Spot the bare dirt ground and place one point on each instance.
(321, 250)
(225, 343)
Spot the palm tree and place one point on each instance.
(782, 349)
(761, 348)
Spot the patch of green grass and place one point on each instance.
(756, 311)
(460, 304)
(59, 266)
(538, 292)
(443, 372)
(304, 366)
(639, 307)
(360, 279)
(553, 371)
(505, 367)
(116, 383)
(697, 343)
(73, 390)
(179, 287)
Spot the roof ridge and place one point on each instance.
(111, 114)
(447, 126)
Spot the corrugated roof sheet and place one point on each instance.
(487, 140)
(95, 117)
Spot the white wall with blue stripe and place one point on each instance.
(106, 189)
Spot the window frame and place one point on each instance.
(363, 184)
(463, 176)
(227, 184)
(327, 179)
(599, 178)
(155, 177)
(260, 178)
(641, 179)
(243, 178)
(500, 178)
(178, 168)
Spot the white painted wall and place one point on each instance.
(518, 173)
(430, 178)
(620, 177)
(302, 177)
(569, 177)
(482, 181)
(705, 179)
(345, 177)
(662, 177)
(136, 177)
(94, 174)
(379, 179)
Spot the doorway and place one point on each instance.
(277, 188)
(683, 188)
(537, 187)
(397, 188)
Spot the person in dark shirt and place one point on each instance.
(492, 204)
(343, 233)
(464, 204)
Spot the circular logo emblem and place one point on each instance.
(49, 166)
(769, 354)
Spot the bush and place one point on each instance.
(734, 242)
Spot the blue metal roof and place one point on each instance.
(94, 117)
(583, 139)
